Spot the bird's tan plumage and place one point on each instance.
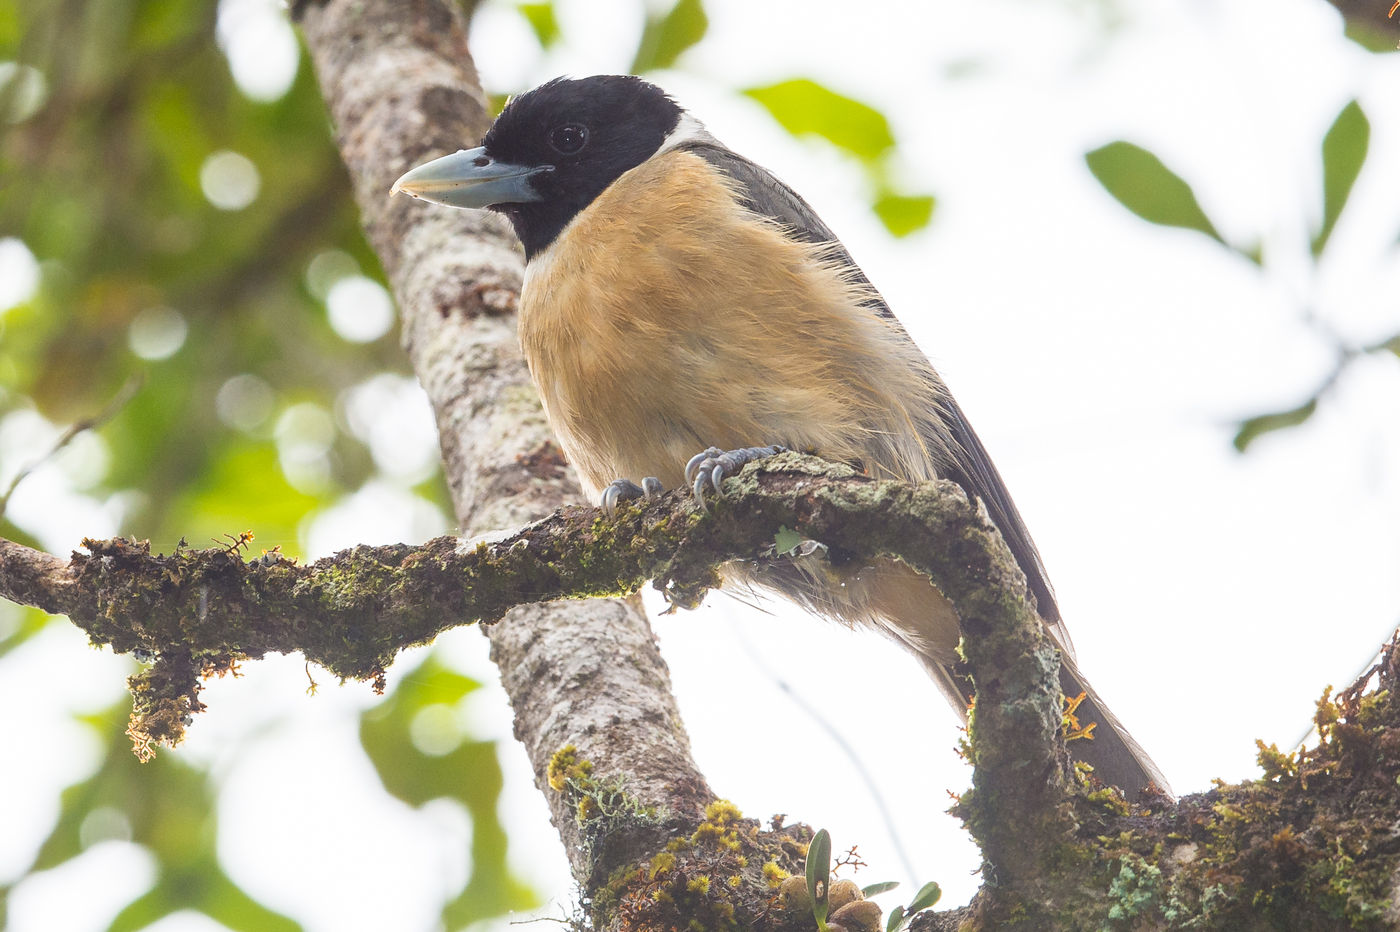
(678, 296)
(617, 320)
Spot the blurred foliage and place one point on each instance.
(105, 183)
(1252, 428)
(1343, 154)
(111, 205)
(453, 767)
(1372, 25)
(666, 36)
(168, 808)
(806, 108)
(1154, 192)
(541, 18)
(116, 120)
(903, 214)
(1140, 181)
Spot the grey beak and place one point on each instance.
(470, 178)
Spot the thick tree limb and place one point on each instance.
(32, 577)
(400, 86)
(200, 612)
(353, 612)
(1313, 844)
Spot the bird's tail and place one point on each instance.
(901, 604)
(1117, 759)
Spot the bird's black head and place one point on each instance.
(551, 152)
(589, 131)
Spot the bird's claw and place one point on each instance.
(709, 468)
(625, 490)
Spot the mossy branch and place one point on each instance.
(354, 611)
(1311, 839)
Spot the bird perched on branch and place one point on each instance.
(679, 298)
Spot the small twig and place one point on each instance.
(119, 401)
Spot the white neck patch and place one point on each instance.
(687, 130)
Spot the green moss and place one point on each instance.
(1135, 889)
(565, 765)
(604, 808)
(703, 876)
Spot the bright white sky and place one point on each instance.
(1103, 361)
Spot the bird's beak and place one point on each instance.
(470, 178)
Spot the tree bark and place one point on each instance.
(400, 86)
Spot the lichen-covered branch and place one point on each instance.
(1312, 845)
(197, 612)
(32, 577)
(354, 611)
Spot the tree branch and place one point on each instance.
(32, 577)
(354, 611)
(199, 612)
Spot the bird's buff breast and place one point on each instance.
(666, 318)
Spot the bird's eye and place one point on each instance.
(569, 138)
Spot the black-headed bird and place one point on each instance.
(679, 298)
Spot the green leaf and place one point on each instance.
(1343, 153)
(470, 774)
(875, 889)
(1253, 252)
(895, 920)
(928, 894)
(18, 625)
(225, 902)
(664, 38)
(200, 887)
(162, 24)
(541, 18)
(1369, 37)
(803, 107)
(786, 540)
(819, 875)
(1140, 182)
(1251, 429)
(903, 214)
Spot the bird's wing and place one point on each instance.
(766, 196)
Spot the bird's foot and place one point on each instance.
(625, 490)
(709, 468)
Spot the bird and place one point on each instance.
(683, 312)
